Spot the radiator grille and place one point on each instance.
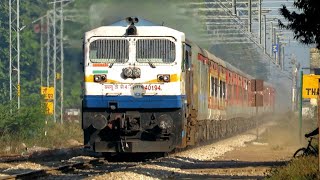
(155, 51)
(109, 50)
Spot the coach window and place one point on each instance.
(211, 86)
(240, 91)
(228, 91)
(215, 87)
(224, 90)
(220, 90)
(246, 92)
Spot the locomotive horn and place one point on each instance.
(129, 20)
(135, 20)
(132, 20)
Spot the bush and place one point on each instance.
(28, 121)
(27, 127)
(299, 168)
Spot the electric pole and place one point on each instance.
(14, 51)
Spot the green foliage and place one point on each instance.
(305, 25)
(28, 121)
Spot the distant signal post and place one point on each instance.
(48, 93)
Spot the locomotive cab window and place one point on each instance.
(109, 51)
(155, 51)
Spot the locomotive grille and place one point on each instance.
(155, 51)
(109, 50)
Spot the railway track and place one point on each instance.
(71, 170)
(168, 167)
(173, 166)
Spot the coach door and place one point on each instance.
(192, 115)
(189, 79)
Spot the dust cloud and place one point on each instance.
(163, 12)
(285, 135)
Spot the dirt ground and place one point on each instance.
(277, 143)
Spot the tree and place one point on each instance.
(305, 23)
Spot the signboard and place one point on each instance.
(275, 48)
(47, 92)
(49, 108)
(310, 87)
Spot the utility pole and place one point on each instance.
(54, 62)
(61, 62)
(249, 16)
(282, 55)
(277, 53)
(41, 51)
(234, 7)
(294, 82)
(55, 56)
(14, 51)
(265, 34)
(260, 26)
(271, 39)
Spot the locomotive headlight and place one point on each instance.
(127, 72)
(99, 77)
(163, 77)
(136, 72)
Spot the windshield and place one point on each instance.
(109, 51)
(155, 51)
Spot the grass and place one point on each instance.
(54, 135)
(299, 168)
(60, 135)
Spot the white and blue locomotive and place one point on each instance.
(149, 89)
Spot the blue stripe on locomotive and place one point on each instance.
(130, 102)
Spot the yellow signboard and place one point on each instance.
(49, 108)
(47, 92)
(310, 87)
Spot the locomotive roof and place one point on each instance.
(119, 28)
(141, 22)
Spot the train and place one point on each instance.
(148, 88)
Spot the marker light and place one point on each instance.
(166, 78)
(99, 77)
(163, 77)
